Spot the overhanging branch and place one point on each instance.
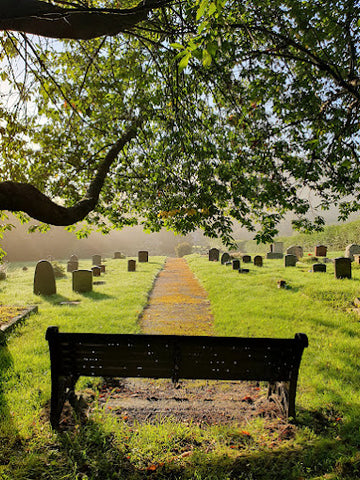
(24, 197)
(44, 19)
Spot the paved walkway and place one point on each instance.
(178, 304)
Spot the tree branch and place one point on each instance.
(26, 198)
(44, 19)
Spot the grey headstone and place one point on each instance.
(44, 279)
(274, 256)
(73, 258)
(71, 266)
(96, 259)
(143, 256)
(246, 259)
(295, 250)
(357, 259)
(96, 271)
(258, 261)
(290, 260)
(236, 264)
(214, 254)
(320, 251)
(118, 255)
(352, 250)
(342, 267)
(131, 265)
(225, 258)
(319, 267)
(82, 281)
(278, 247)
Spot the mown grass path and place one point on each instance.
(178, 304)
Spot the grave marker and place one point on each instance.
(143, 256)
(319, 267)
(352, 250)
(295, 250)
(44, 279)
(96, 259)
(290, 260)
(236, 264)
(320, 251)
(96, 271)
(82, 281)
(258, 261)
(225, 258)
(214, 255)
(131, 265)
(342, 267)
(246, 259)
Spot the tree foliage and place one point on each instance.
(213, 111)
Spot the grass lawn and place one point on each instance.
(327, 438)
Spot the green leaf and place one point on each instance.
(177, 46)
(201, 9)
(184, 61)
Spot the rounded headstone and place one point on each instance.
(246, 258)
(74, 258)
(214, 254)
(352, 250)
(295, 250)
(72, 265)
(96, 271)
(258, 261)
(44, 279)
(225, 258)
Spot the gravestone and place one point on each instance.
(96, 259)
(290, 260)
(236, 264)
(278, 247)
(246, 258)
(352, 250)
(225, 258)
(73, 258)
(71, 266)
(342, 267)
(143, 256)
(102, 268)
(131, 265)
(274, 256)
(44, 279)
(244, 270)
(320, 251)
(319, 267)
(96, 271)
(214, 254)
(118, 255)
(357, 259)
(295, 250)
(82, 281)
(258, 261)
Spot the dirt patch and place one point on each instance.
(189, 401)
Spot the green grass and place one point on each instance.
(327, 437)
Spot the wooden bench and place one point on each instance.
(72, 355)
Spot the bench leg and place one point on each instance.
(62, 388)
(280, 392)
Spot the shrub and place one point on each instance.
(59, 270)
(3, 268)
(183, 248)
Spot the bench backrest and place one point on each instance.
(175, 356)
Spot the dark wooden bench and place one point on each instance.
(72, 355)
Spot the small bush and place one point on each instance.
(182, 249)
(3, 268)
(59, 270)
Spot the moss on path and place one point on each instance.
(178, 304)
